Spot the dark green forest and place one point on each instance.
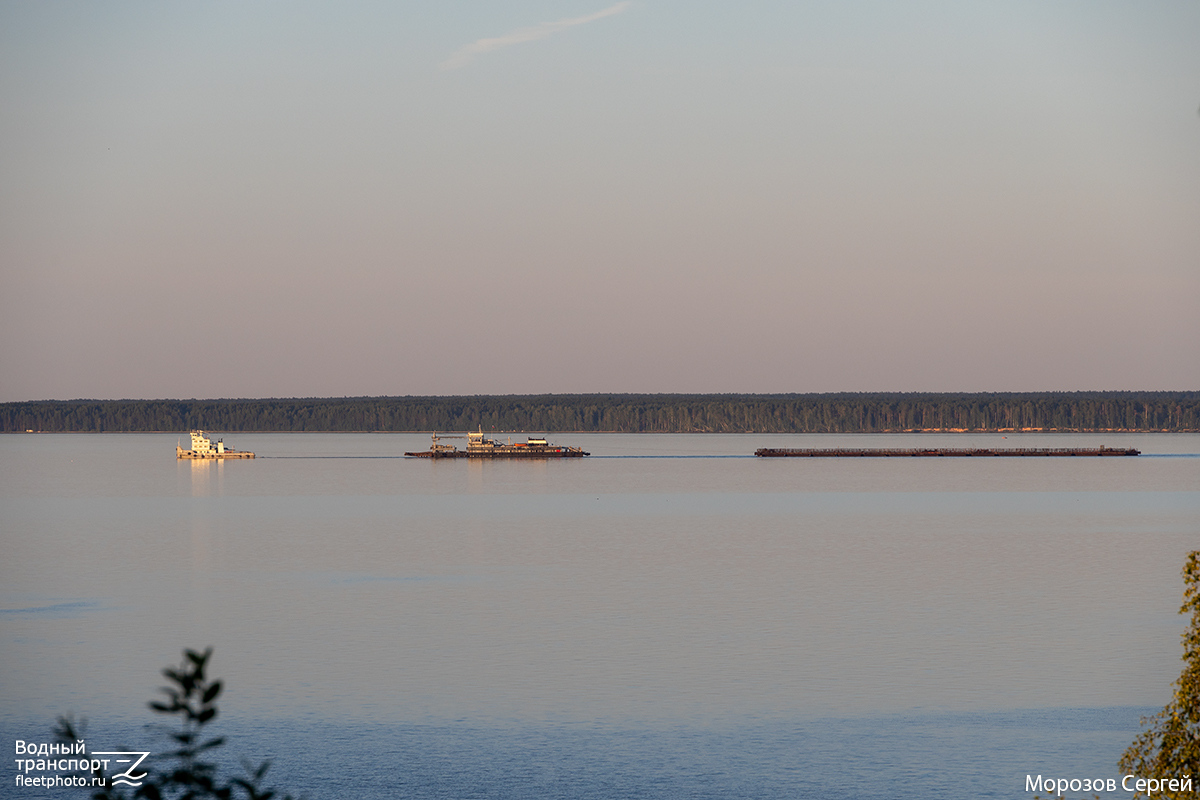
(628, 413)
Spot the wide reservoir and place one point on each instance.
(671, 617)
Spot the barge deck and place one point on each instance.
(479, 446)
(945, 452)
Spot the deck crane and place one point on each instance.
(444, 448)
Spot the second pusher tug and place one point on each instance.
(479, 446)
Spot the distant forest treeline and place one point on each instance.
(628, 413)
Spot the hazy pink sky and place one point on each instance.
(233, 199)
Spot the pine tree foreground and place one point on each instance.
(1169, 747)
(183, 773)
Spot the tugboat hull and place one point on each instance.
(203, 447)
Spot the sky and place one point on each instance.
(269, 199)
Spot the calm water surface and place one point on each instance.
(668, 618)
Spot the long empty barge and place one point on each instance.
(943, 452)
(479, 446)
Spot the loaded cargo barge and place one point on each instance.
(203, 447)
(944, 452)
(479, 446)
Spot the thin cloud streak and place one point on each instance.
(465, 54)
